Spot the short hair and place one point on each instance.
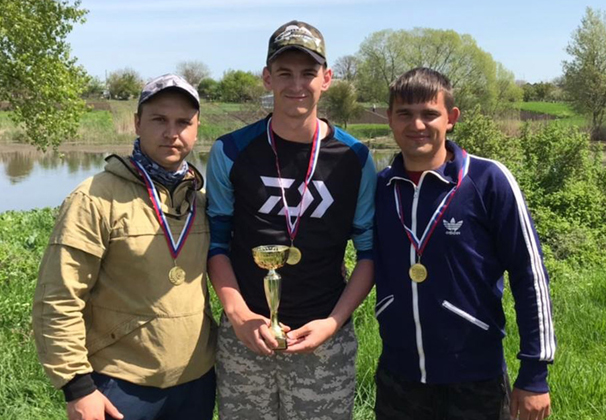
(419, 85)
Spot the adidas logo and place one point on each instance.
(452, 227)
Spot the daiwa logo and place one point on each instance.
(287, 183)
(452, 227)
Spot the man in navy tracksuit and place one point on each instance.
(448, 225)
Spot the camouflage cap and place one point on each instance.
(168, 81)
(298, 35)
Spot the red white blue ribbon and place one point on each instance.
(420, 244)
(173, 247)
(293, 226)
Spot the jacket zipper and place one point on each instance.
(415, 291)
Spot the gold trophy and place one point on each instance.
(272, 257)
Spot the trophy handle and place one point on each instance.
(272, 283)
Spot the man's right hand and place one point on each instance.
(252, 329)
(92, 407)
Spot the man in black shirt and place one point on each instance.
(290, 179)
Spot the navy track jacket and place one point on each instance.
(450, 327)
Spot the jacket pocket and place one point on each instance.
(475, 321)
(383, 304)
(108, 327)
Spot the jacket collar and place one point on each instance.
(447, 173)
(122, 167)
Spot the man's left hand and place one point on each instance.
(526, 405)
(311, 335)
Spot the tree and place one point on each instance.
(585, 73)
(341, 102)
(94, 88)
(208, 89)
(38, 77)
(124, 84)
(193, 71)
(506, 88)
(240, 86)
(346, 68)
(386, 54)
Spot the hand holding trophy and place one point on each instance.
(272, 257)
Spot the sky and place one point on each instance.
(153, 36)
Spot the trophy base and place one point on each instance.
(282, 344)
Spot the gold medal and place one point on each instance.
(176, 275)
(294, 255)
(418, 273)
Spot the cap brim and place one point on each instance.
(314, 55)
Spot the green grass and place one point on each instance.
(577, 379)
(557, 109)
(368, 131)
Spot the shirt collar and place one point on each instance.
(447, 173)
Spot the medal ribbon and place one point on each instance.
(293, 227)
(420, 244)
(173, 247)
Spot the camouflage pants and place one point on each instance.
(398, 399)
(316, 386)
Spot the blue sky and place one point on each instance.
(152, 36)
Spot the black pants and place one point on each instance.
(398, 399)
(193, 400)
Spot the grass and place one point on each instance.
(368, 131)
(557, 109)
(577, 379)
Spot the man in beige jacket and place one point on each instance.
(121, 315)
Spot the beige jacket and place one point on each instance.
(104, 301)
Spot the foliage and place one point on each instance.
(346, 68)
(94, 88)
(193, 71)
(562, 176)
(124, 84)
(209, 89)
(542, 91)
(585, 73)
(37, 74)
(507, 90)
(240, 86)
(341, 102)
(475, 76)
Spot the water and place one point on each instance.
(31, 179)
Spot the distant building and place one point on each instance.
(267, 101)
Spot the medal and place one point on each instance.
(417, 273)
(176, 275)
(294, 254)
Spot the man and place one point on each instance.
(447, 227)
(121, 315)
(290, 179)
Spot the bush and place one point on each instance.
(124, 84)
(562, 176)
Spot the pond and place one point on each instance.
(30, 179)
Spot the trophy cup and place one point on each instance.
(271, 257)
